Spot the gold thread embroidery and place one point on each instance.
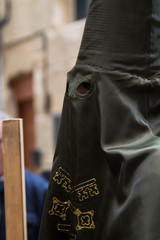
(86, 183)
(85, 219)
(63, 227)
(86, 189)
(59, 208)
(66, 228)
(63, 178)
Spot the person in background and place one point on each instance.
(46, 175)
(36, 188)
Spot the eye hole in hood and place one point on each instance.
(80, 85)
(83, 88)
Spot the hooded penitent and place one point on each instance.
(105, 182)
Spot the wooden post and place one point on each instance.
(14, 180)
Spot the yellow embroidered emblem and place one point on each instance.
(63, 178)
(59, 208)
(86, 189)
(85, 219)
(63, 227)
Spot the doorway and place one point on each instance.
(23, 91)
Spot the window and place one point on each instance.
(81, 8)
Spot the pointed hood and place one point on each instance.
(106, 171)
(123, 35)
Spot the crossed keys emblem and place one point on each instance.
(84, 190)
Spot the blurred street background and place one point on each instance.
(39, 43)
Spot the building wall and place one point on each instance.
(46, 45)
(63, 50)
(29, 17)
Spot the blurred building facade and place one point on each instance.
(40, 45)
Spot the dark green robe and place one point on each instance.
(105, 181)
